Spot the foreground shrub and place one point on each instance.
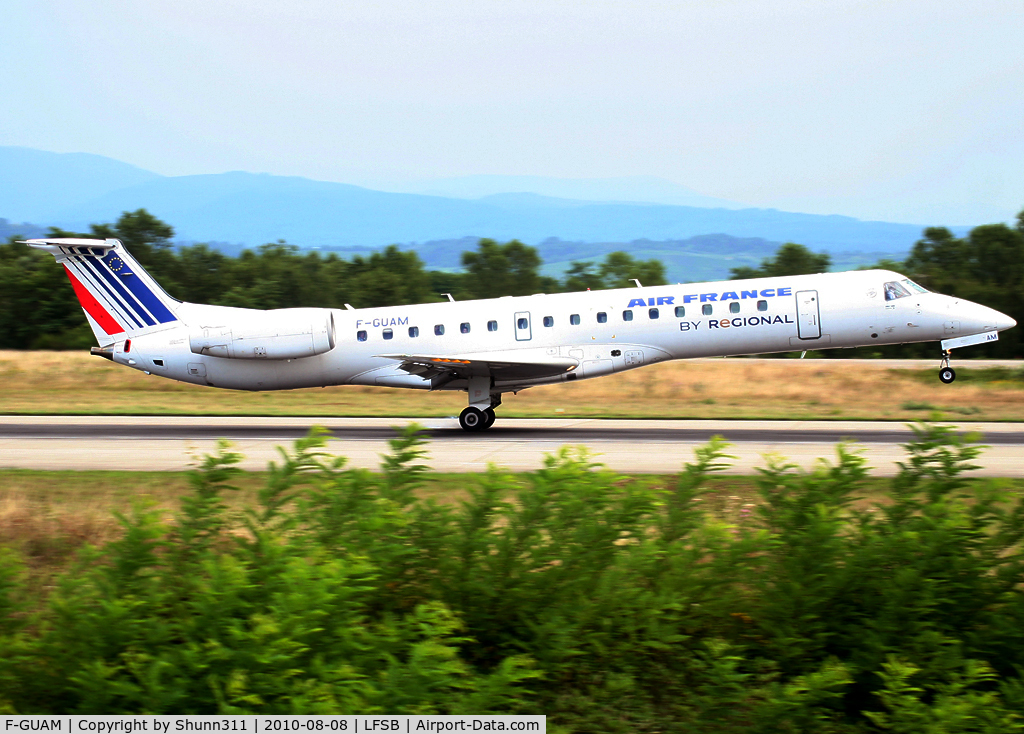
(607, 604)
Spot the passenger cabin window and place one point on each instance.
(602, 317)
(439, 330)
(389, 334)
(522, 323)
(894, 290)
(734, 307)
(549, 321)
(652, 313)
(627, 315)
(574, 319)
(464, 327)
(492, 326)
(361, 336)
(762, 305)
(414, 331)
(680, 311)
(706, 309)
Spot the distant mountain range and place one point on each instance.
(72, 190)
(20, 230)
(644, 189)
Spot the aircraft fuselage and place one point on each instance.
(825, 311)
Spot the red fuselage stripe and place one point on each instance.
(92, 306)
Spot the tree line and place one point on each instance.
(39, 311)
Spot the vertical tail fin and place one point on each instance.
(119, 297)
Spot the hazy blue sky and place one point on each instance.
(910, 111)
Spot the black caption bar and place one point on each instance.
(260, 724)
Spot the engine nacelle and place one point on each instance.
(287, 333)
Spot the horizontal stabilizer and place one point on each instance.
(54, 244)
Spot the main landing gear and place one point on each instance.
(479, 416)
(474, 419)
(946, 373)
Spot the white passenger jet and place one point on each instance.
(500, 345)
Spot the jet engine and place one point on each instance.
(279, 334)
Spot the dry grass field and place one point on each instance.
(76, 383)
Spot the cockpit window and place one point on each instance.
(894, 290)
(914, 286)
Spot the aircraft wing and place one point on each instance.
(497, 365)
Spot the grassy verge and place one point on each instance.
(75, 383)
(49, 516)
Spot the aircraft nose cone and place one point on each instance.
(998, 321)
(976, 319)
(995, 320)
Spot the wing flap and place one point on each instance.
(471, 365)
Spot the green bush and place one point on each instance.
(606, 604)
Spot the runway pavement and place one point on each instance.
(883, 364)
(657, 446)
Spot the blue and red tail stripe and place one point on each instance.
(105, 294)
(93, 307)
(137, 286)
(125, 287)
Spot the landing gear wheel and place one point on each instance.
(947, 374)
(473, 419)
(490, 418)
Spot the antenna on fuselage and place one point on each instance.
(637, 282)
(450, 297)
(349, 307)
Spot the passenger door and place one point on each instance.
(808, 315)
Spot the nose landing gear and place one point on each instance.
(946, 373)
